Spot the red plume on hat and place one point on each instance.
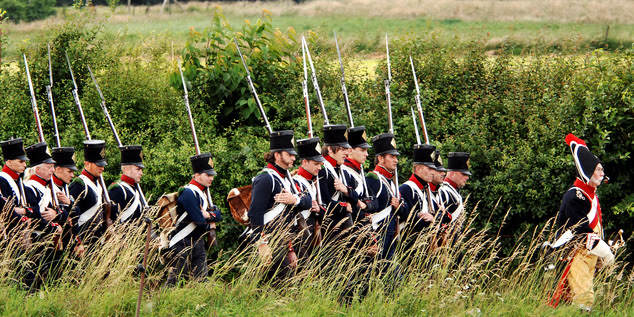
(585, 161)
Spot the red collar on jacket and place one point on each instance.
(331, 160)
(591, 191)
(418, 181)
(305, 174)
(11, 173)
(197, 184)
(57, 181)
(433, 187)
(350, 162)
(90, 176)
(452, 183)
(128, 180)
(39, 179)
(278, 169)
(383, 171)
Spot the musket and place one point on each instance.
(257, 100)
(422, 119)
(308, 117)
(343, 85)
(40, 132)
(114, 130)
(211, 235)
(389, 107)
(108, 204)
(252, 87)
(315, 83)
(49, 93)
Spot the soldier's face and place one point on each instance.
(204, 179)
(388, 161)
(284, 159)
(16, 165)
(597, 176)
(134, 172)
(93, 169)
(439, 177)
(425, 172)
(359, 154)
(313, 167)
(45, 171)
(459, 178)
(64, 173)
(339, 156)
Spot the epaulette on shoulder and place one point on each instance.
(261, 172)
(79, 181)
(180, 190)
(372, 175)
(113, 186)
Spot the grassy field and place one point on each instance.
(362, 24)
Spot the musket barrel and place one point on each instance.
(36, 113)
(415, 127)
(316, 83)
(344, 90)
(105, 109)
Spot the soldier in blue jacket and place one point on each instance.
(127, 204)
(416, 201)
(275, 202)
(15, 213)
(195, 212)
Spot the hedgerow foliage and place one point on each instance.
(510, 112)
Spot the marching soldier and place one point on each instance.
(335, 192)
(87, 216)
(65, 167)
(457, 177)
(414, 190)
(581, 227)
(275, 202)
(187, 245)
(380, 181)
(47, 213)
(127, 203)
(12, 188)
(309, 153)
(353, 166)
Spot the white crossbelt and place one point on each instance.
(88, 214)
(132, 207)
(12, 183)
(379, 216)
(192, 226)
(45, 192)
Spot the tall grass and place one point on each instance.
(466, 276)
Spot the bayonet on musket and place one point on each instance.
(252, 87)
(75, 92)
(315, 83)
(389, 106)
(343, 85)
(49, 93)
(418, 106)
(305, 92)
(415, 126)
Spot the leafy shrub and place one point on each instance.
(19, 10)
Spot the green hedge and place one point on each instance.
(511, 113)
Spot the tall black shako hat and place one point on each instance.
(336, 135)
(424, 154)
(13, 150)
(358, 138)
(64, 157)
(95, 152)
(132, 155)
(282, 141)
(585, 161)
(384, 144)
(203, 163)
(458, 162)
(309, 149)
(38, 154)
(438, 162)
